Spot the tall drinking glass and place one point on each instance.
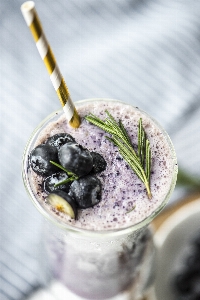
(96, 264)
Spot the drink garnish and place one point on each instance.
(75, 158)
(140, 161)
(40, 157)
(71, 175)
(68, 172)
(59, 139)
(62, 202)
(86, 191)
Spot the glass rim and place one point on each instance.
(87, 232)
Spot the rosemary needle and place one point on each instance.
(71, 175)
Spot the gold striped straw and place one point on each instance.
(32, 20)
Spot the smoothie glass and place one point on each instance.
(110, 264)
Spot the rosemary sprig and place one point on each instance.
(71, 175)
(140, 161)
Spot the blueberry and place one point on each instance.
(59, 140)
(187, 281)
(86, 191)
(75, 158)
(182, 283)
(196, 241)
(49, 182)
(99, 163)
(193, 260)
(196, 286)
(40, 159)
(62, 202)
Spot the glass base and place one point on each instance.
(57, 291)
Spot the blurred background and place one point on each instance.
(143, 52)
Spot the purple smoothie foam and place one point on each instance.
(121, 188)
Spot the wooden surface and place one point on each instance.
(168, 211)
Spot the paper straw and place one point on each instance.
(33, 22)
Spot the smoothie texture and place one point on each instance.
(124, 200)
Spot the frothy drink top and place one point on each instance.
(124, 200)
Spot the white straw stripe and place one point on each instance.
(56, 78)
(42, 46)
(27, 10)
(69, 109)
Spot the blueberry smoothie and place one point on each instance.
(98, 243)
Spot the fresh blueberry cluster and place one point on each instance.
(186, 282)
(68, 172)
